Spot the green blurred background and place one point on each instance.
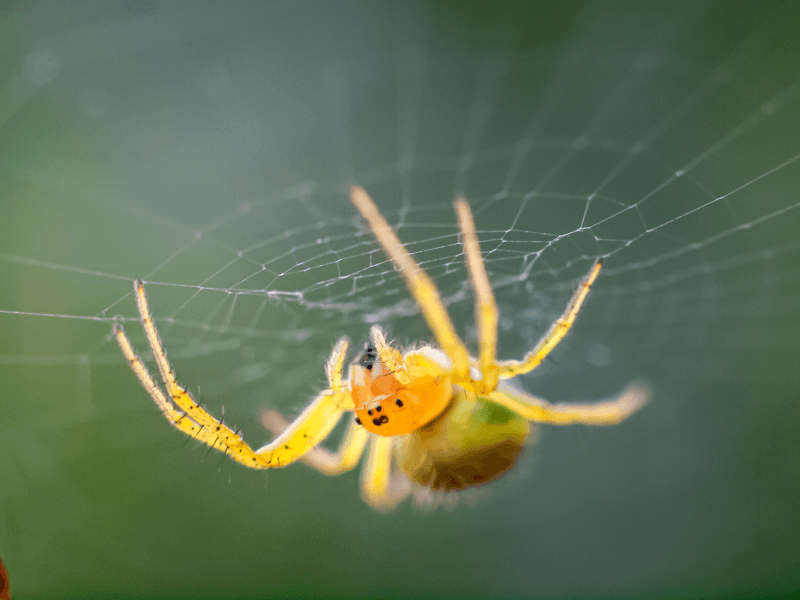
(207, 148)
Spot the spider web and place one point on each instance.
(210, 155)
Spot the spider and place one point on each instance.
(433, 418)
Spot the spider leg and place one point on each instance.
(420, 285)
(379, 488)
(310, 428)
(306, 431)
(485, 305)
(333, 368)
(389, 356)
(605, 412)
(322, 459)
(317, 420)
(178, 419)
(512, 368)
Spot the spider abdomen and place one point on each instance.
(474, 441)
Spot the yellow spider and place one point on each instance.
(435, 418)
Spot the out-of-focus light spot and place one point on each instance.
(41, 67)
(94, 103)
(599, 355)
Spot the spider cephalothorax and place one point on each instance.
(434, 417)
(394, 402)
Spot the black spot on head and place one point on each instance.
(399, 402)
(370, 357)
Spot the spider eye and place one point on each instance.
(403, 399)
(358, 421)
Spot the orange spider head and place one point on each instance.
(391, 403)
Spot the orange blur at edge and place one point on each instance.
(5, 586)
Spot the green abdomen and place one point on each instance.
(473, 442)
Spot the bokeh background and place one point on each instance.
(207, 148)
